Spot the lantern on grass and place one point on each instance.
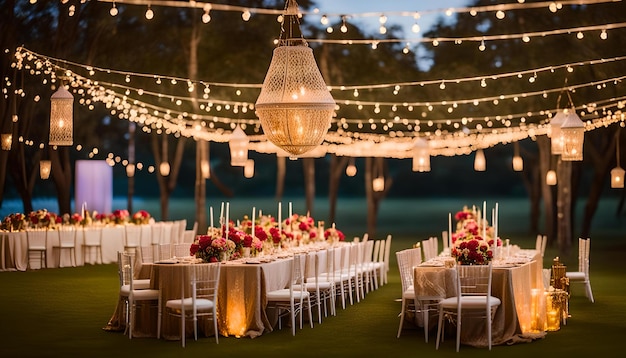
(7, 141)
(551, 177)
(61, 117)
(421, 156)
(573, 134)
(556, 140)
(238, 144)
(480, 164)
(45, 166)
(295, 106)
(617, 173)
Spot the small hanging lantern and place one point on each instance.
(421, 156)
(518, 162)
(378, 184)
(248, 169)
(130, 170)
(164, 168)
(205, 169)
(551, 177)
(295, 106)
(7, 141)
(617, 173)
(45, 166)
(238, 144)
(61, 117)
(556, 140)
(351, 168)
(480, 164)
(573, 133)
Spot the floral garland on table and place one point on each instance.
(469, 247)
(44, 219)
(302, 228)
(14, 222)
(141, 217)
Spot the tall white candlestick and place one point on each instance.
(495, 224)
(290, 210)
(227, 218)
(484, 222)
(280, 220)
(253, 218)
(211, 215)
(221, 215)
(449, 227)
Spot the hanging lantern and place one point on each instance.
(573, 133)
(7, 141)
(480, 164)
(378, 184)
(45, 166)
(551, 177)
(205, 169)
(556, 140)
(164, 169)
(248, 169)
(351, 168)
(61, 117)
(617, 173)
(295, 106)
(421, 156)
(130, 170)
(238, 144)
(518, 162)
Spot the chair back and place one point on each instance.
(125, 269)
(540, 244)
(205, 280)
(157, 233)
(146, 234)
(166, 232)
(67, 236)
(445, 240)
(406, 269)
(474, 280)
(147, 254)
(92, 236)
(165, 251)
(132, 236)
(36, 239)
(387, 252)
(583, 256)
(182, 250)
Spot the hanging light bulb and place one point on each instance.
(164, 167)
(130, 170)
(245, 15)
(295, 106)
(113, 10)
(238, 144)
(61, 117)
(351, 168)
(573, 134)
(551, 177)
(480, 164)
(617, 173)
(518, 162)
(421, 155)
(149, 13)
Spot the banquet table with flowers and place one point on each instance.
(251, 265)
(517, 280)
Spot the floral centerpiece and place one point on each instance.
(213, 247)
(469, 247)
(302, 228)
(14, 222)
(141, 217)
(119, 216)
(43, 219)
(334, 235)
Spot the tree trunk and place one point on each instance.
(545, 156)
(280, 177)
(564, 206)
(166, 183)
(62, 175)
(374, 167)
(337, 167)
(308, 166)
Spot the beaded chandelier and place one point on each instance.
(295, 106)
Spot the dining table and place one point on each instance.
(517, 280)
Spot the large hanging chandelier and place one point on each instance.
(295, 106)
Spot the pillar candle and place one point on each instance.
(450, 230)
(280, 208)
(484, 222)
(290, 210)
(221, 215)
(227, 218)
(211, 215)
(253, 218)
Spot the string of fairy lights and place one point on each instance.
(391, 136)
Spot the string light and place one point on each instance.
(149, 13)
(113, 10)
(245, 15)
